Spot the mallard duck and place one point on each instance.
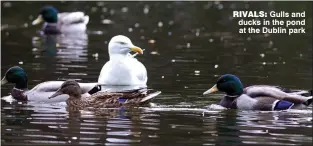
(102, 99)
(42, 91)
(67, 22)
(258, 97)
(123, 68)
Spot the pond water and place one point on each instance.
(187, 46)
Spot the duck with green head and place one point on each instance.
(103, 99)
(56, 23)
(258, 97)
(42, 91)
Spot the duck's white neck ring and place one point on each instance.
(233, 96)
(18, 89)
(50, 24)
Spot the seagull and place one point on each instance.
(123, 69)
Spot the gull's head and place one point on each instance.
(122, 45)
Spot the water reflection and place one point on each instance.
(66, 48)
(267, 124)
(62, 54)
(146, 125)
(97, 126)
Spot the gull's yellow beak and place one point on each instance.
(136, 49)
(4, 81)
(38, 20)
(211, 90)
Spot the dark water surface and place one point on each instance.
(188, 45)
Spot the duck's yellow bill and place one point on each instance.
(4, 81)
(211, 90)
(38, 20)
(136, 49)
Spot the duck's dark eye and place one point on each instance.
(122, 43)
(222, 81)
(10, 73)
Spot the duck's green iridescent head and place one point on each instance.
(15, 75)
(69, 87)
(48, 14)
(230, 84)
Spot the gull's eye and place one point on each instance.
(122, 43)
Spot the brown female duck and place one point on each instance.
(103, 99)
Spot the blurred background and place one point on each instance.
(188, 45)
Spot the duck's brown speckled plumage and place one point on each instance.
(105, 99)
(102, 99)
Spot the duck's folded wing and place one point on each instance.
(106, 95)
(264, 103)
(52, 86)
(263, 89)
(298, 92)
(73, 18)
(49, 86)
(277, 93)
(135, 93)
(269, 104)
(150, 96)
(260, 90)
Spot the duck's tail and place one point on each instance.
(305, 93)
(308, 102)
(308, 93)
(145, 94)
(95, 89)
(299, 99)
(298, 96)
(150, 96)
(133, 97)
